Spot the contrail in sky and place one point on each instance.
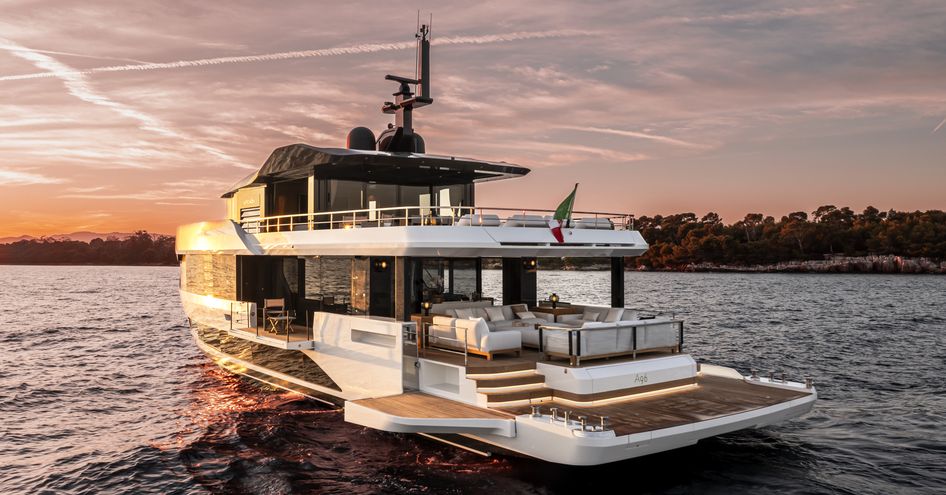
(77, 86)
(639, 135)
(322, 52)
(70, 54)
(940, 125)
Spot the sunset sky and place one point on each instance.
(117, 116)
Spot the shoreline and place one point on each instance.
(888, 265)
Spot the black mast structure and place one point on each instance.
(400, 136)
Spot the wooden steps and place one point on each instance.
(511, 387)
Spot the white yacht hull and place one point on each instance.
(533, 436)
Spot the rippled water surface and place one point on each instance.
(102, 390)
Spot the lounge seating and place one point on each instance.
(614, 337)
(479, 220)
(507, 317)
(526, 221)
(598, 314)
(598, 343)
(593, 223)
(454, 332)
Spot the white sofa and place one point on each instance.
(452, 332)
(609, 338)
(486, 220)
(509, 321)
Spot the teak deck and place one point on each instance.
(420, 405)
(712, 397)
(297, 333)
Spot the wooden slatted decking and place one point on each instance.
(297, 333)
(420, 405)
(712, 397)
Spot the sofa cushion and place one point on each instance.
(495, 313)
(443, 321)
(614, 314)
(517, 308)
(498, 326)
(450, 312)
(471, 330)
(443, 327)
(524, 315)
(529, 336)
(480, 313)
(500, 341)
(464, 312)
(629, 315)
(590, 314)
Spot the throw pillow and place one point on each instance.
(464, 313)
(614, 314)
(590, 315)
(523, 315)
(495, 313)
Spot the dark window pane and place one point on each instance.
(345, 195)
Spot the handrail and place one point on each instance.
(416, 215)
(466, 340)
(574, 335)
(242, 308)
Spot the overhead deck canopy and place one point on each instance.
(297, 161)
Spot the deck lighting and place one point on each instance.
(554, 299)
(529, 264)
(426, 305)
(380, 265)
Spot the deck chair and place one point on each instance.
(275, 314)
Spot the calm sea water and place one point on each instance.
(103, 391)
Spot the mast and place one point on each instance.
(400, 136)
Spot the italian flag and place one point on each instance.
(563, 215)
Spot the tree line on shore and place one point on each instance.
(140, 248)
(676, 241)
(681, 240)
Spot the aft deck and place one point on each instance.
(709, 398)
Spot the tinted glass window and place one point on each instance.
(345, 195)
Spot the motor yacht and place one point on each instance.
(355, 276)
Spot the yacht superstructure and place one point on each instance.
(355, 275)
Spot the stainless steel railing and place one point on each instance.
(432, 216)
(465, 343)
(241, 314)
(573, 336)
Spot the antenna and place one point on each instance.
(405, 100)
(423, 62)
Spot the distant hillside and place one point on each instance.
(75, 236)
